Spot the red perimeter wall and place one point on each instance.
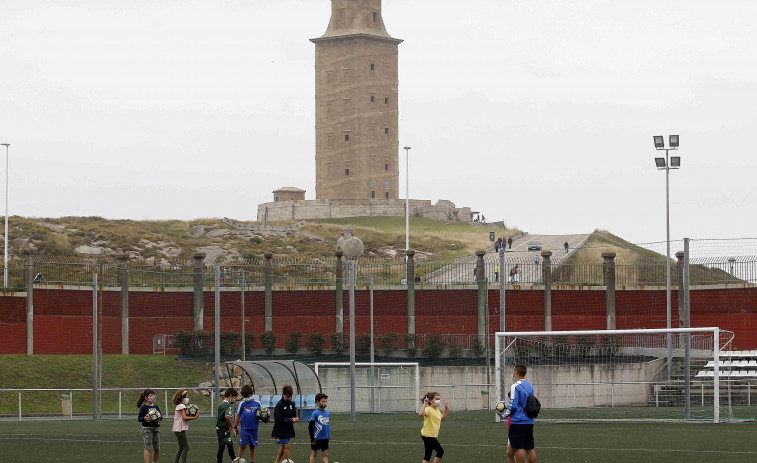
(63, 318)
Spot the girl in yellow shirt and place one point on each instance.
(432, 420)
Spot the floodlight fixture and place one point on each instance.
(673, 141)
(660, 162)
(675, 162)
(659, 142)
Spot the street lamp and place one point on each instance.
(407, 198)
(5, 259)
(666, 164)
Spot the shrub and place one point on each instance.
(456, 350)
(293, 343)
(230, 343)
(478, 347)
(249, 342)
(339, 343)
(194, 343)
(269, 341)
(411, 345)
(363, 344)
(387, 343)
(316, 342)
(434, 347)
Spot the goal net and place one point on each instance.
(380, 387)
(625, 375)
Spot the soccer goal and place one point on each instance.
(624, 375)
(381, 387)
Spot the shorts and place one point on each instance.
(248, 437)
(521, 436)
(151, 437)
(224, 435)
(282, 441)
(320, 444)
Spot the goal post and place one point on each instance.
(381, 387)
(621, 375)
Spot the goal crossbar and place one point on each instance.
(711, 329)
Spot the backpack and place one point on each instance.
(533, 407)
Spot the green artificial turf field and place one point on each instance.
(469, 436)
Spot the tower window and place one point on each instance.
(346, 137)
(373, 67)
(375, 17)
(346, 171)
(373, 194)
(373, 99)
(386, 184)
(373, 183)
(386, 130)
(386, 195)
(386, 166)
(386, 100)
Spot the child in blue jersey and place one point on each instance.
(320, 429)
(520, 433)
(246, 422)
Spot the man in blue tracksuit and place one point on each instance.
(520, 435)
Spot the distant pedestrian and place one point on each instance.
(510, 242)
(514, 274)
(566, 247)
(497, 244)
(496, 273)
(536, 259)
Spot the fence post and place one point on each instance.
(198, 270)
(608, 271)
(339, 328)
(481, 297)
(546, 269)
(410, 291)
(268, 292)
(29, 284)
(679, 284)
(123, 280)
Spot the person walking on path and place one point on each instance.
(496, 273)
(566, 247)
(510, 242)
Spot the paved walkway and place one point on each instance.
(529, 272)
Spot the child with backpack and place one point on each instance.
(520, 414)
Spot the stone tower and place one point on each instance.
(356, 115)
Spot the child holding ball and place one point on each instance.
(150, 432)
(181, 425)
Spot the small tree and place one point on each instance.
(339, 343)
(249, 342)
(478, 347)
(387, 343)
(411, 345)
(434, 347)
(316, 342)
(456, 350)
(293, 343)
(269, 341)
(230, 343)
(363, 344)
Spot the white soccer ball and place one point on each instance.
(264, 414)
(192, 410)
(500, 407)
(287, 461)
(238, 460)
(154, 414)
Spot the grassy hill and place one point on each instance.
(175, 240)
(75, 371)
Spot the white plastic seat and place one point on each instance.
(701, 374)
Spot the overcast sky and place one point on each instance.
(540, 113)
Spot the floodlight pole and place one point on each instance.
(407, 199)
(217, 330)
(5, 258)
(668, 308)
(244, 346)
(351, 268)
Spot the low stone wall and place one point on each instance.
(563, 386)
(339, 208)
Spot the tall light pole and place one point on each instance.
(666, 164)
(407, 198)
(5, 259)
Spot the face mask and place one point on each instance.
(323, 406)
(437, 402)
(185, 400)
(151, 400)
(247, 399)
(513, 377)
